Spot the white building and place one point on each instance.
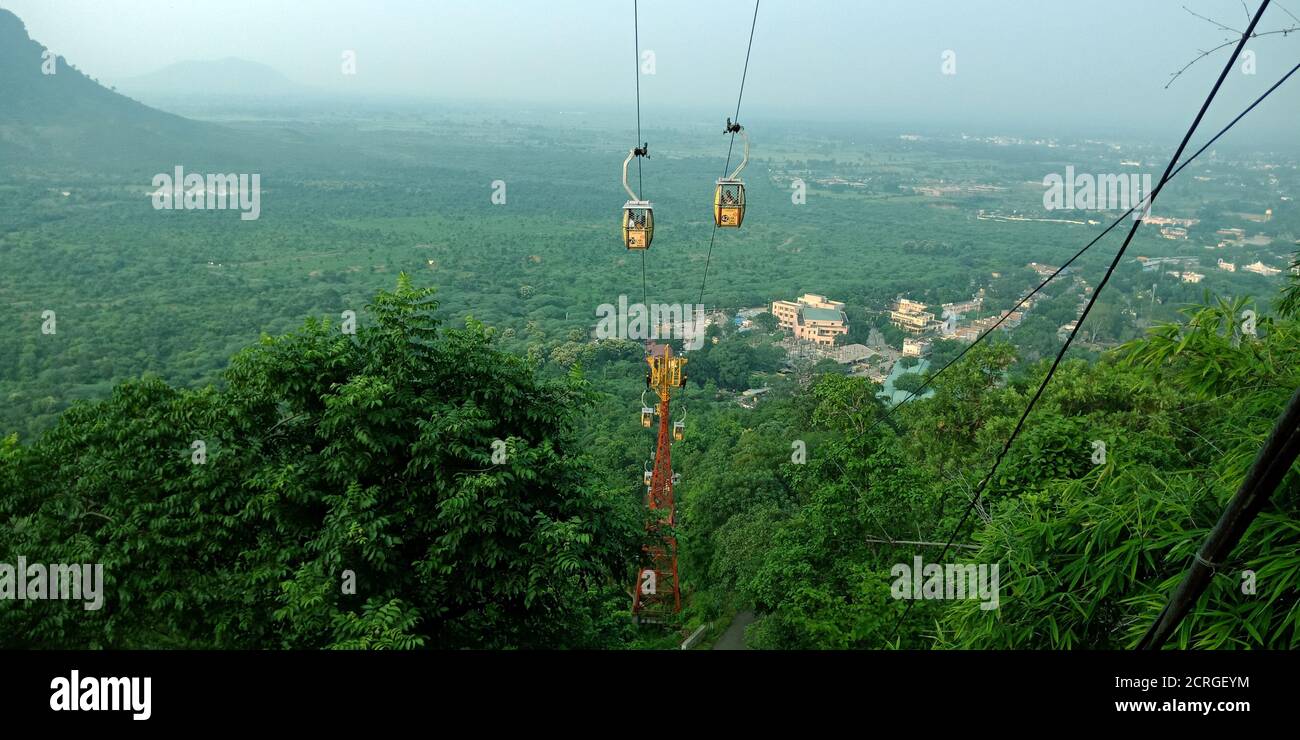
(916, 347)
(1260, 268)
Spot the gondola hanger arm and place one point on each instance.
(641, 151)
(738, 129)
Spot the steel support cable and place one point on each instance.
(636, 40)
(889, 414)
(930, 378)
(1150, 200)
(727, 167)
(640, 184)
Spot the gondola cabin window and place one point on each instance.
(638, 224)
(729, 204)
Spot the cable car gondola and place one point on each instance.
(729, 197)
(638, 215)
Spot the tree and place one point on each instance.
(734, 360)
(765, 321)
(1089, 539)
(328, 458)
(909, 382)
(1093, 558)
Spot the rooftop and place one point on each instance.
(820, 314)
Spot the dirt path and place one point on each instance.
(734, 637)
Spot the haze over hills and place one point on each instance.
(229, 78)
(68, 115)
(54, 115)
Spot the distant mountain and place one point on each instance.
(223, 78)
(67, 120)
(68, 117)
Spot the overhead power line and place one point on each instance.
(932, 376)
(1164, 179)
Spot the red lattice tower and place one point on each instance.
(657, 594)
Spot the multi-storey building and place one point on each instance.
(812, 317)
(910, 315)
(787, 312)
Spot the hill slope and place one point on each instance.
(67, 116)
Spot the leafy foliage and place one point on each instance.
(1088, 548)
(327, 453)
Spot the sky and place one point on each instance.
(1036, 67)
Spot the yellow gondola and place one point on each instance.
(638, 215)
(729, 204)
(638, 224)
(729, 197)
(679, 430)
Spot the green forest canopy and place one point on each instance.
(372, 454)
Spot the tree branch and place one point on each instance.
(921, 544)
(1225, 44)
(1216, 23)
